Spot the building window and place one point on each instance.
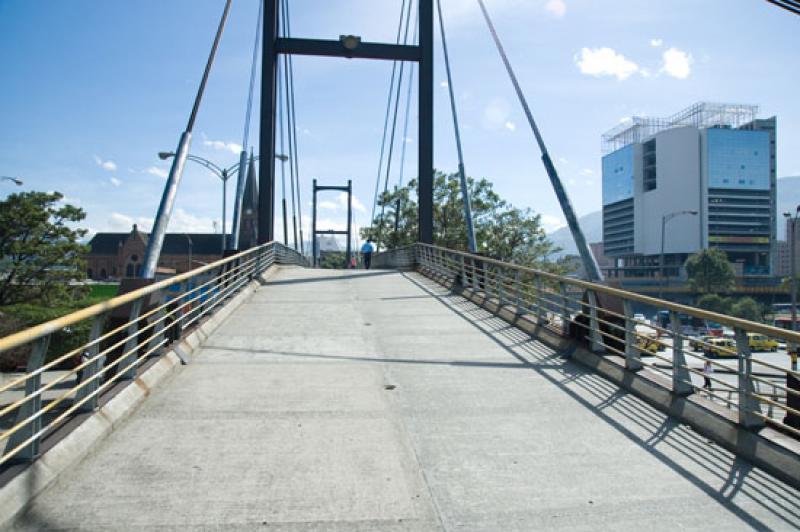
(129, 270)
(649, 166)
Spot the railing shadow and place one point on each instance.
(644, 425)
(309, 280)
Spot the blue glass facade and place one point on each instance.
(738, 159)
(618, 175)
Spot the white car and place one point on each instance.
(640, 317)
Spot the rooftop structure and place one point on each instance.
(700, 115)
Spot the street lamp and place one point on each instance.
(14, 180)
(283, 158)
(664, 220)
(222, 173)
(793, 280)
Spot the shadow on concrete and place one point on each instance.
(367, 273)
(380, 359)
(736, 476)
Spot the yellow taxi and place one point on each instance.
(759, 342)
(697, 344)
(720, 347)
(649, 344)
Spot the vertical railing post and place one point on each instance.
(499, 278)
(518, 291)
(539, 310)
(596, 339)
(633, 359)
(681, 377)
(32, 407)
(131, 350)
(749, 406)
(473, 270)
(91, 372)
(565, 314)
(463, 272)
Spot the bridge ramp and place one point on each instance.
(343, 401)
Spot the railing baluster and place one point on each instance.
(91, 372)
(498, 280)
(594, 324)
(565, 314)
(31, 407)
(749, 406)
(681, 377)
(132, 343)
(633, 360)
(539, 310)
(518, 291)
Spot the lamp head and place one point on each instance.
(164, 155)
(350, 42)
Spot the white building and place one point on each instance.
(706, 175)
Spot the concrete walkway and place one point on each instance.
(355, 401)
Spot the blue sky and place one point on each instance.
(91, 91)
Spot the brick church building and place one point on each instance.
(118, 255)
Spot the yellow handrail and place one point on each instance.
(38, 331)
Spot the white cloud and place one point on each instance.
(357, 205)
(443, 84)
(111, 166)
(605, 62)
(550, 223)
(655, 43)
(115, 181)
(328, 205)
(563, 160)
(222, 145)
(677, 63)
(156, 171)
(496, 113)
(180, 222)
(557, 8)
(511, 126)
(587, 171)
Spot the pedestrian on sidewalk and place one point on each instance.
(708, 370)
(366, 252)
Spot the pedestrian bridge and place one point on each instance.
(386, 399)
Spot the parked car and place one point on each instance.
(649, 344)
(759, 342)
(696, 345)
(720, 347)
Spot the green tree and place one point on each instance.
(39, 251)
(747, 308)
(710, 272)
(502, 231)
(333, 260)
(714, 303)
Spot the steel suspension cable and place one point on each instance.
(242, 171)
(291, 150)
(589, 262)
(399, 204)
(394, 125)
(282, 158)
(461, 171)
(291, 112)
(386, 116)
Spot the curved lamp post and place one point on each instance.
(222, 173)
(14, 180)
(793, 260)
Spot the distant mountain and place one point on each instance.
(592, 223)
(788, 200)
(592, 226)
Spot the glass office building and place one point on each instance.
(704, 177)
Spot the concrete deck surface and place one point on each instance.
(346, 401)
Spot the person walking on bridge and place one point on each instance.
(366, 252)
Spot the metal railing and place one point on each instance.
(125, 332)
(757, 387)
